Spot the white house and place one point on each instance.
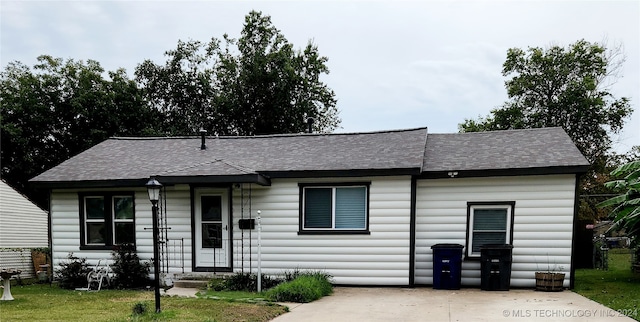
(23, 226)
(365, 207)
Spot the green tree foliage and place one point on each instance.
(565, 87)
(257, 84)
(568, 88)
(57, 109)
(626, 213)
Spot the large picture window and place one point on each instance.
(107, 219)
(334, 208)
(488, 223)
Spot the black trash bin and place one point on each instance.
(447, 266)
(495, 267)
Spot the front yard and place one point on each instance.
(617, 288)
(49, 303)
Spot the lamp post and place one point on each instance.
(153, 188)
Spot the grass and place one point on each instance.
(40, 302)
(617, 288)
(233, 296)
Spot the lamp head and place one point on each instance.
(153, 188)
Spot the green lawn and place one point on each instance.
(49, 303)
(617, 288)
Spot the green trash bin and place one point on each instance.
(495, 267)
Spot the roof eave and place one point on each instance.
(165, 180)
(70, 184)
(343, 173)
(577, 169)
(224, 179)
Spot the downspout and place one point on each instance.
(576, 206)
(412, 232)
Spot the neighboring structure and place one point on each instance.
(23, 226)
(365, 207)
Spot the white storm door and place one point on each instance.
(212, 228)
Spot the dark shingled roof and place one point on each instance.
(139, 158)
(180, 159)
(510, 149)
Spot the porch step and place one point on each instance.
(191, 283)
(196, 279)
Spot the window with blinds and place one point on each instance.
(334, 208)
(488, 223)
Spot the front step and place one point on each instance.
(196, 279)
(191, 283)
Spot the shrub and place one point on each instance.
(140, 308)
(128, 271)
(306, 287)
(245, 282)
(73, 274)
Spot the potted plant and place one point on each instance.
(550, 280)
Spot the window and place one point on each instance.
(342, 208)
(211, 221)
(488, 223)
(106, 220)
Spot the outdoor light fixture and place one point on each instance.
(153, 188)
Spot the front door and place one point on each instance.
(212, 229)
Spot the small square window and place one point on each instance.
(488, 223)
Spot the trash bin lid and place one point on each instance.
(496, 246)
(455, 246)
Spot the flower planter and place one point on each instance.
(549, 282)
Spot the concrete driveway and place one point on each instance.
(426, 304)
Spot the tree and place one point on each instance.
(57, 109)
(257, 84)
(566, 87)
(626, 213)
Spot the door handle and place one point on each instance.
(225, 227)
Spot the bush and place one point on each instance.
(245, 282)
(73, 274)
(306, 287)
(139, 308)
(128, 271)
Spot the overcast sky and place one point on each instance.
(394, 64)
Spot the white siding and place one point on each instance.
(22, 224)
(65, 229)
(543, 222)
(19, 259)
(381, 258)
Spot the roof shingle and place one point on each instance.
(403, 151)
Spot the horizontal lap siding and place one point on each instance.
(19, 259)
(22, 224)
(65, 230)
(543, 222)
(381, 258)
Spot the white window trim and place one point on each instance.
(88, 221)
(508, 232)
(333, 208)
(115, 221)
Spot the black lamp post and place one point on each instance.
(153, 188)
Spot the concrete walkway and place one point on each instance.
(426, 304)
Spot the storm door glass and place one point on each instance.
(211, 221)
